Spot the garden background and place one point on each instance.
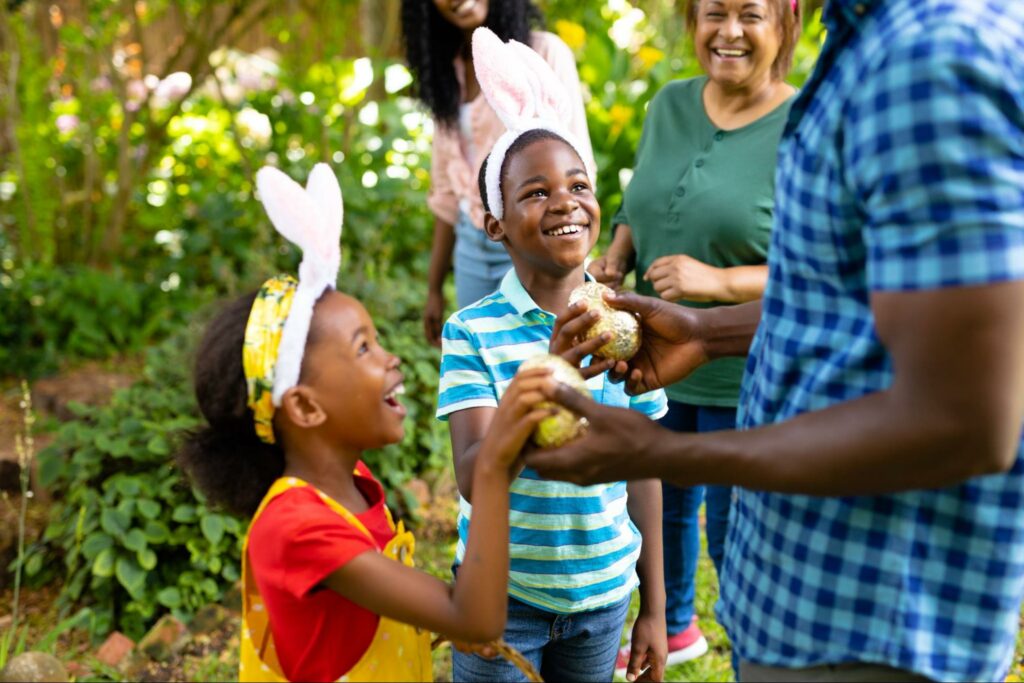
(130, 132)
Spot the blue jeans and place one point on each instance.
(680, 528)
(478, 262)
(563, 647)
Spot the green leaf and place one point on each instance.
(213, 528)
(150, 509)
(34, 564)
(94, 543)
(146, 558)
(158, 445)
(169, 597)
(135, 540)
(103, 565)
(114, 522)
(127, 486)
(130, 575)
(184, 514)
(156, 532)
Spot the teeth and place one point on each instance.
(397, 391)
(731, 53)
(565, 230)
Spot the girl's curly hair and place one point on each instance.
(431, 44)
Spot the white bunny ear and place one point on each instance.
(551, 99)
(503, 83)
(289, 207)
(325, 193)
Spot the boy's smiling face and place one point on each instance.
(552, 219)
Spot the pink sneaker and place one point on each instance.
(682, 647)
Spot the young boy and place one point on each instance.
(575, 553)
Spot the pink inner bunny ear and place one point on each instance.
(506, 88)
(551, 95)
(289, 207)
(325, 193)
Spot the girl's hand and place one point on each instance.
(433, 317)
(609, 269)
(567, 335)
(515, 418)
(682, 277)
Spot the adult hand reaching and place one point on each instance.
(672, 344)
(615, 444)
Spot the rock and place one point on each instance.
(31, 667)
(209, 619)
(564, 425)
(114, 649)
(167, 637)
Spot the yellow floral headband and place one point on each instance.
(275, 334)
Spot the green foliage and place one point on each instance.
(134, 538)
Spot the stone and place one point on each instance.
(34, 667)
(623, 325)
(114, 649)
(564, 425)
(210, 619)
(167, 637)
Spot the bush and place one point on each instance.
(134, 538)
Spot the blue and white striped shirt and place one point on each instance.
(573, 548)
(901, 169)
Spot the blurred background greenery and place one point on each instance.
(130, 131)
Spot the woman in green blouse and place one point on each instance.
(695, 223)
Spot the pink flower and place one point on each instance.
(67, 123)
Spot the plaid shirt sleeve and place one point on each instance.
(934, 150)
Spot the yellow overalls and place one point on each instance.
(398, 652)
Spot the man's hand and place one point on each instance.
(648, 649)
(613, 449)
(567, 335)
(671, 347)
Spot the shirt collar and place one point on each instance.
(512, 289)
(852, 12)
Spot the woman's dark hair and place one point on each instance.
(226, 460)
(788, 16)
(522, 142)
(431, 44)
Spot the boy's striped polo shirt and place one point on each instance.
(573, 548)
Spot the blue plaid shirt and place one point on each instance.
(901, 169)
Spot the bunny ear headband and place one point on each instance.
(526, 95)
(275, 335)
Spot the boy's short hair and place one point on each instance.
(528, 138)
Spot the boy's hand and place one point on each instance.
(516, 417)
(609, 270)
(648, 650)
(567, 335)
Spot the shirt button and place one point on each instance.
(680, 191)
(699, 163)
(860, 9)
(719, 135)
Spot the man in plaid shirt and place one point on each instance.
(879, 530)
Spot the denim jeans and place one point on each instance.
(563, 647)
(478, 262)
(680, 529)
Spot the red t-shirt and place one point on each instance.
(295, 544)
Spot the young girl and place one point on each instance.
(437, 41)
(576, 553)
(295, 386)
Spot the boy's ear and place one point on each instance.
(300, 407)
(493, 229)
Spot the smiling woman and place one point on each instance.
(695, 224)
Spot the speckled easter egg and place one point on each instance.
(623, 325)
(564, 425)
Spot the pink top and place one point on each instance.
(456, 162)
